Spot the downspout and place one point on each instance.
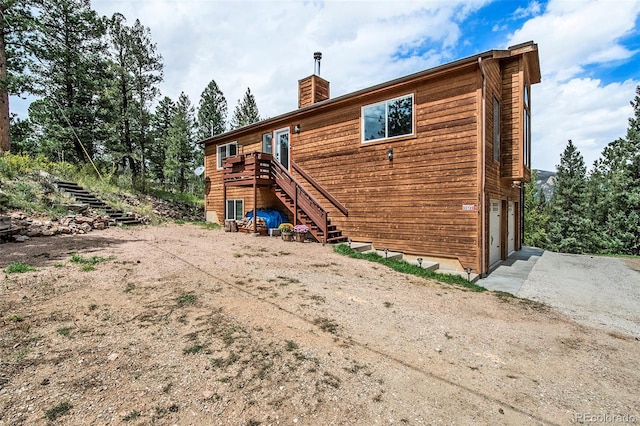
(483, 214)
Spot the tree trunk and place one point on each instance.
(5, 139)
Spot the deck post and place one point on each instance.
(224, 200)
(255, 206)
(295, 207)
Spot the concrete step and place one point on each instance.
(425, 264)
(473, 277)
(360, 247)
(388, 255)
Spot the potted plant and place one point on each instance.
(286, 230)
(301, 232)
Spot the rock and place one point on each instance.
(99, 225)
(86, 227)
(113, 356)
(20, 238)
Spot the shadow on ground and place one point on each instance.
(43, 251)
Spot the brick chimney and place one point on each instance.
(311, 90)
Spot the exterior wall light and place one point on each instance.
(296, 128)
(390, 154)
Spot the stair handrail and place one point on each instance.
(294, 190)
(343, 209)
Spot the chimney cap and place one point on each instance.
(317, 55)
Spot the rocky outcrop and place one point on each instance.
(24, 227)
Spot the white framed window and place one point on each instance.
(226, 150)
(234, 210)
(267, 145)
(388, 119)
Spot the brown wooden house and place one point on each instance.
(431, 164)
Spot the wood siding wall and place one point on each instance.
(413, 203)
(512, 156)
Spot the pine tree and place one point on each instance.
(16, 31)
(536, 215)
(138, 71)
(569, 227)
(160, 125)
(621, 163)
(212, 112)
(246, 111)
(71, 75)
(181, 148)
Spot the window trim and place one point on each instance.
(386, 111)
(235, 209)
(497, 134)
(526, 126)
(218, 158)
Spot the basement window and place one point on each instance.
(234, 210)
(388, 119)
(227, 150)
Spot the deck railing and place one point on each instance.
(243, 169)
(301, 198)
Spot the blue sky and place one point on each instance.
(589, 53)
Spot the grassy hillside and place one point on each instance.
(27, 185)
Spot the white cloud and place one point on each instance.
(532, 9)
(566, 105)
(269, 45)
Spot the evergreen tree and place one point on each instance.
(621, 166)
(212, 112)
(181, 148)
(569, 226)
(246, 111)
(536, 215)
(16, 31)
(70, 75)
(138, 71)
(160, 125)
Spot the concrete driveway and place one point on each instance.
(597, 291)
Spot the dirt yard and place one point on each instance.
(183, 325)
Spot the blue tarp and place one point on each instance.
(273, 217)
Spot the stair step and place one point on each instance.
(390, 254)
(425, 264)
(86, 197)
(473, 277)
(360, 247)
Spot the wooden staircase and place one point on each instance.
(259, 169)
(85, 197)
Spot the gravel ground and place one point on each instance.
(178, 325)
(594, 290)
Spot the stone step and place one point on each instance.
(472, 278)
(360, 247)
(425, 264)
(388, 255)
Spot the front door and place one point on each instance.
(281, 138)
(511, 229)
(494, 232)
